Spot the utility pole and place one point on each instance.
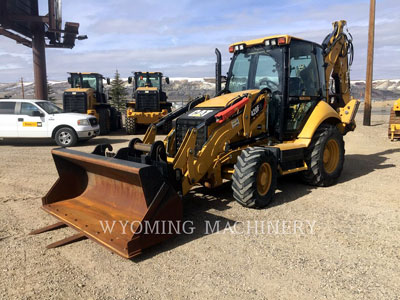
(22, 88)
(370, 64)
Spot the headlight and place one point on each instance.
(84, 122)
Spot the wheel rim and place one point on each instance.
(264, 179)
(65, 138)
(331, 156)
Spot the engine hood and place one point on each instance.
(76, 116)
(223, 100)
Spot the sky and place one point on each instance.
(178, 37)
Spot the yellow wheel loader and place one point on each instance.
(150, 103)
(394, 121)
(274, 117)
(87, 96)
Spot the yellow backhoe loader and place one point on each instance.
(274, 117)
(150, 103)
(394, 121)
(87, 96)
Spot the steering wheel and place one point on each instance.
(269, 83)
(224, 91)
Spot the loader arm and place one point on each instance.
(195, 167)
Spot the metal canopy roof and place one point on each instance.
(17, 18)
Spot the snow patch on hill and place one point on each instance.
(183, 88)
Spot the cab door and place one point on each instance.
(31, 121)
(8, 119)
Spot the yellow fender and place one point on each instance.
(322, 112)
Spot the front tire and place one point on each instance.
(65, 137)
(324, 157)
(255, 177)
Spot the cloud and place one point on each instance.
(178, 37)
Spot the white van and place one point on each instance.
(21, 118)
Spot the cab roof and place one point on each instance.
(259, 41)
(141, 72)
(86, 73)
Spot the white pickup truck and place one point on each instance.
(42, 119)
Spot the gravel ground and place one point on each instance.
(348, 245)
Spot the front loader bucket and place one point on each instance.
(122, 205)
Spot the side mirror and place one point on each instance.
(69, 80)
(37, 113)
(130, 79)
(167, 80)
(108, 80)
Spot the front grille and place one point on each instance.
(183, 125)
(93, 121)
(75, 102)
(192, 119)
(147, 102)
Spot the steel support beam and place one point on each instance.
(39, 61)
(19, 39)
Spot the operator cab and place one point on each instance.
(150, 80)
(145, 79)
(89, 80)
(292, 72)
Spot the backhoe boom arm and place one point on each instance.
(338, 56)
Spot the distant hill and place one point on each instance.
(381, 89)
(181, 89)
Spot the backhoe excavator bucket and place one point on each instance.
(123, 205)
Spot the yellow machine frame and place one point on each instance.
(394, 122)
(144, 118)
(228, 137)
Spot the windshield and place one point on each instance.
(257, 68)
(148, 80)
(49, 107)
(88, 81)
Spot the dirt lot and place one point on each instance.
(352, 251)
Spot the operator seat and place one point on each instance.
(308, 80)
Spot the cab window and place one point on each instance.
(304, 73)
(148, 80)
(240, 73)
(267, 75)
(89, 83)
(305, 84)
(7, 108)
(27, 108)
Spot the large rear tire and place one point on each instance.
(115, 119)
(255, 177)
(104, 121)
(130, 125)
(324, 157)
